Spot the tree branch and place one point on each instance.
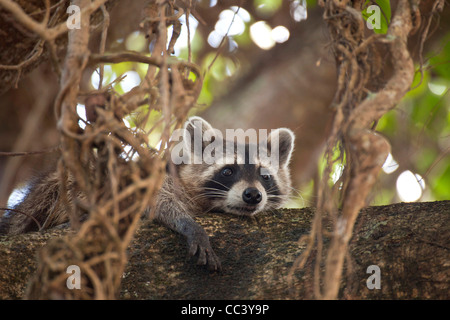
(367, 151)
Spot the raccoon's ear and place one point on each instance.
(284, 145)
(195, 127)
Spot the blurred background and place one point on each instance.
(266, 64)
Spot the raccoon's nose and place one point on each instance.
(252, 196)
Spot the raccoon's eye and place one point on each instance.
(227, 172)
(266, 177)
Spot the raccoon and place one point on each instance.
(241, 183)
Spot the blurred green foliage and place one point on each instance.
(267, 7)
(423, 121)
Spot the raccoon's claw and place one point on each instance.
(207, 256)
(199, 244)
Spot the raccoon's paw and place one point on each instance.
(199, 244)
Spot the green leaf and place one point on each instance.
(377, 16)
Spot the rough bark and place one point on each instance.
(408, 241)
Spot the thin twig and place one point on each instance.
(28, 153)
(24, 213)
(101, 50)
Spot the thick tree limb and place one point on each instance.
(407, 241)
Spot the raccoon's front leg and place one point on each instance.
(198, 242)
(197, 239)
(172, 212)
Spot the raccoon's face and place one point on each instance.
(243, 183)
(242, 190)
